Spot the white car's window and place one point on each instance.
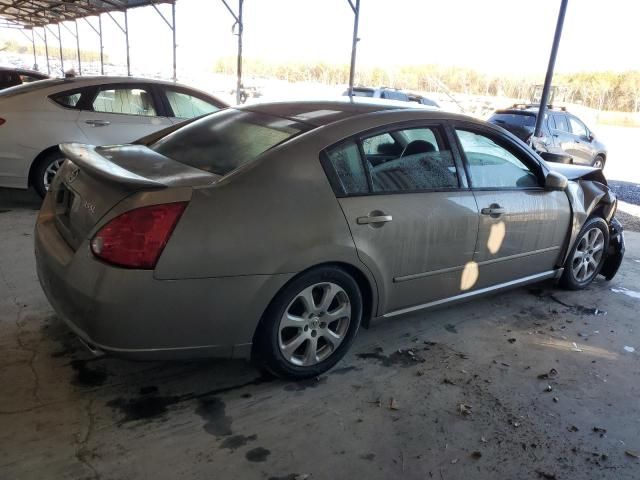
(492, 166)
(131, 101)
(188, 106)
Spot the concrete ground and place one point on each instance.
(455, 393)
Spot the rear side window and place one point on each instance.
(227, 139)
(561, 123)
(346, 163)
(130, 101)
(67, 99)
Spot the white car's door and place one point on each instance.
(121, 113)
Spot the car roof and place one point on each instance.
(325, 112)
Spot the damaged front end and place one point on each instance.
(590, 195)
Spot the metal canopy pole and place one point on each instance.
(46, 49)
(99, 32)
(77, 37)
(354, 44)
(60, 44)
(33, 45)
(124, 30)
(552, 62)
(172, 26)
(238, 22)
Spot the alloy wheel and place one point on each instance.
(50, 172)
(314, 324)
(587, 255)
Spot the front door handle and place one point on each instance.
(374, 218)
(494, 210)
(97, 123)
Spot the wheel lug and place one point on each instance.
(314, 333)
(306, 327)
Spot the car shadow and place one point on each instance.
(13, 199)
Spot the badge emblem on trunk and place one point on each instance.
(71, 177)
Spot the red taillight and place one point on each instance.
(136, 238)
(2, 120)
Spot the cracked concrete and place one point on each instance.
(390, 409)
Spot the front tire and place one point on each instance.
(310, 324)
(45, 170)
(587, 256)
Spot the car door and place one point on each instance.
(560, 133)
(413, 222)
(522, 226)
(183, 104)
(584, 151)
(121, 113)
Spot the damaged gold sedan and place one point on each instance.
(274, 231)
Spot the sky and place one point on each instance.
(495, 36)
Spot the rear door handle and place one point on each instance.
(494, 210)
(97, 123)
(374, 219)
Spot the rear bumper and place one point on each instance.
(130, 313)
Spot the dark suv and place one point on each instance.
(564, 135)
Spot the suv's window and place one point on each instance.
(362, 92)
(423, 162)
(393, 95)
(560, 122)
(349, 172)
(127, 100)
(227, 139)
(577, 127)
(493, 166)
(188, 106)
(516, 119)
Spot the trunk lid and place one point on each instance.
(95, 179)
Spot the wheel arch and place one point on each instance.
(38, 159)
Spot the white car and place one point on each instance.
(36, 117)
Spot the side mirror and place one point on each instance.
(555, 181)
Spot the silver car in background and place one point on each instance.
(36, 117)
(274, 231)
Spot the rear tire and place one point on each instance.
(44, 171)
(587, 255)
(598, 162)
(309, 325)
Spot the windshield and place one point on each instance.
(516, 119)
(226, 140)
(31, 87)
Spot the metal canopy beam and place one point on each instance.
(552, 62)
(354, 44)
(125, 30)
(99, 33)
(240, 25)
(172, 27)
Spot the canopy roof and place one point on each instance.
(37, 13)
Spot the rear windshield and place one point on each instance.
(518, 119)
(363, 92)
(31, 87)
(226, 140)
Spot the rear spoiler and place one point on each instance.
(86, 157)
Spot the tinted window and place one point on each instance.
(349, 172)
(393, 95)
(577, 127)
(517, 119)
(361, 92)
(127, 100)
(188, 106)
(492, 166)
(560, 122)
(67, 99)
(227, 139)
(424, 162)
(381, 145)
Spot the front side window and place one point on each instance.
(188, 106)
(129, 101)
(420, 160)
(577, 127)
(227, 139)
(493, 166)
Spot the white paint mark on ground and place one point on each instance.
(626, 291)
(629, 349)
